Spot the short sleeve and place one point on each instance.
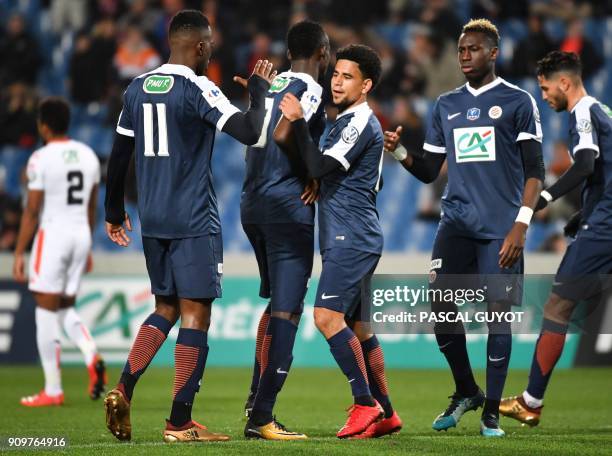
(434, 138)
(212, 105)
(527, 120)
(351, 142)
(310, 102)
(125, 126)
(35, 172)
(96, 175)
(585, 131)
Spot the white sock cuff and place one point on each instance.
(531, 401)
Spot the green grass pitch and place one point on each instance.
(577, 417)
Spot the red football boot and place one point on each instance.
(42, 400)
(97, 377)
(360, 417)
(382, 427)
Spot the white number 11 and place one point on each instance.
(162, 130)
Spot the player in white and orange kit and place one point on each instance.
(63, 178)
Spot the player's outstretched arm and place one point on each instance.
(583, 167)
(27, 228)
(246, 127)
(317, 164)
(533, 166)
(425, 167)
(115, 216)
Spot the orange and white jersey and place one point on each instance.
(66, 170)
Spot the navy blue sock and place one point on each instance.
(282, 338)
(346, 349)
(261, 332)
(190, 356)
(375, 365)
(453, 347)
(499, 348)
(548, 350)
(150, 338)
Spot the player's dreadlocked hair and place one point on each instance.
(304, 39)
(186, 21)
(54, 112)
(364, 56)
(557, 61)
(483, 26)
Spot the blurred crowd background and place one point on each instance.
(89, 50)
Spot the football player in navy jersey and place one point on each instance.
(349, 165)
(277, 212)
(588, 259)
(489, 133)
(169, 119)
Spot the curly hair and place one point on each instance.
(557, 61)
(365, 57)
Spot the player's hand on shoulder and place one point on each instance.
(311, 191)
(19, 268)
(291, 108)
(116, 232)
(513, 245)
(392, 138)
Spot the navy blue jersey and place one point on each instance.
(479, 131)
(172, 115)
(347, 205)
(275, 180)
(591, 128)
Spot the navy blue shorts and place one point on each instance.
(284, 253)
(187, 268)
(345, 282)
(584, 270)
(478, 261)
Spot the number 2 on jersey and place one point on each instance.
(162, 130)
(75, 179)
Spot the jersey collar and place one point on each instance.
(360, 108)
(171, 68)
(585, 99)
(495, 82)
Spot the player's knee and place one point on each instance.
(327, 322)
(558, 309)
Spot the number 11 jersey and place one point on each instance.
(172, 115)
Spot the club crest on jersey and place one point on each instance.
(495, 112)
(474, 144)
(158, 84)
(350, 135)
(473, 113)
(279, 84)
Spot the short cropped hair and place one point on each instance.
(187, 21)
(559, 61)
(304, 39)
(484, 26)
(365, 57)
(54, 112)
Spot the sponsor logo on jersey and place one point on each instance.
(350, 135)
(606, 109)
(584, 126)
(474, 144)
(495, 112)
(473, 113)
(158, 84)
(279, 84)
(70, 156)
